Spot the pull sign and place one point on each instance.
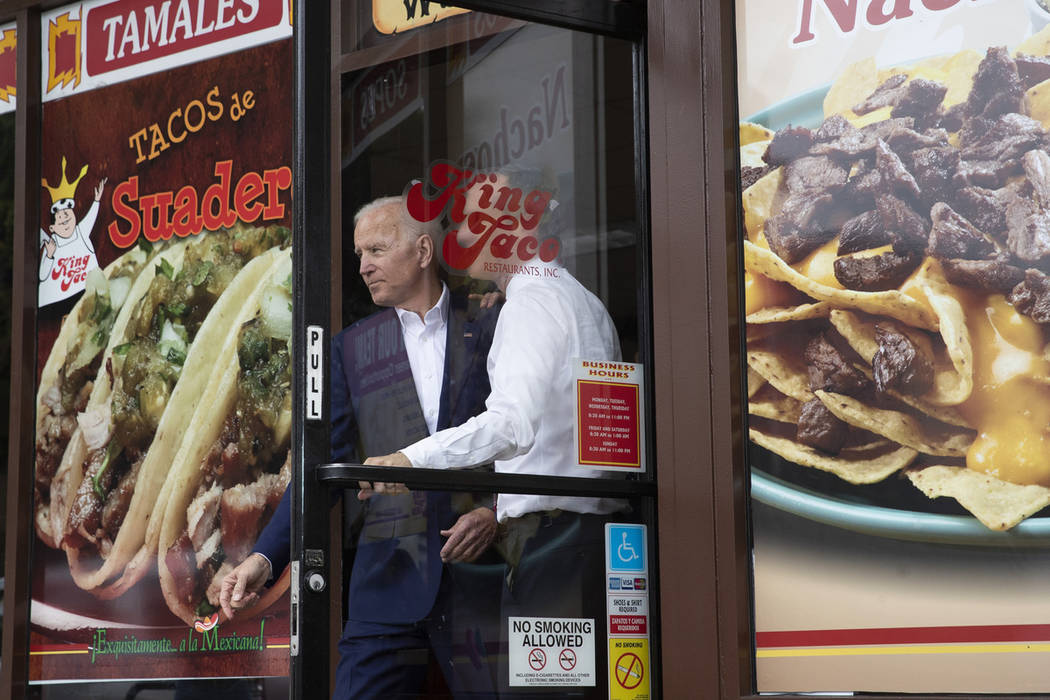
(314, 371)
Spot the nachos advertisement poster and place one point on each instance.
(163, 408)
(895, 177)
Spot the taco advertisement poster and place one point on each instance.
(163, 409)
(895, 170)
(8, 67)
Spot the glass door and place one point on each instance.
(479, 359)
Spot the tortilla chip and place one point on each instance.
(1036, 45)
(851, 87)
(950, 388)
(958, 76)
(758, 203)
(1037, 103)
(893, 303)
(876, 115)
(856, 465)
(788, 376)
(802, 312)
(751, 132)
(751, 155)
(998, 504)
(755, 381)
(859, 332)
(770, 403)
(943, 441)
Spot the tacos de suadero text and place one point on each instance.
(158, 372)
(228, 480)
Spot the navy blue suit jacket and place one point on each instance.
(397, 568)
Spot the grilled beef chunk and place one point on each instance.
(860, 143)
(830, 370)
(983, 173)
(952, 118)
(1029, 230)
(749, 175)
(899, 364)
(894, 174)
(788, 144)
(934, 170)
(1004, 141)
(119, 500)
(992, 276)
(799, 229)
(903, 138)
(1032, 296)
(835, 126)
(814, 173)
(1028, 213)
(952, 236)
(875, 273)
(996, 87)
(820, 428)
(863, 186)
(862, 232)
(50, 446)
(985, 209)
(1036, 164)
(1032, 70)
(920, 100)
(802, 224)
(910, 230)
(182, 565)
(885, 95)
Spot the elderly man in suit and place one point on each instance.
(414, 368)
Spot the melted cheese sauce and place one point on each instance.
(761, 292)
(819, 265)
(1009, 405)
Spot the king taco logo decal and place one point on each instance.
(495, 220)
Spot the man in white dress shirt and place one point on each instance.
(553, 544)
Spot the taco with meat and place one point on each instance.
(228, 479)
(136, 419)
(69, 372)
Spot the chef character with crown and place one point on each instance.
(67, 256)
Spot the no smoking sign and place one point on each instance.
(629, 669)
(551, 652)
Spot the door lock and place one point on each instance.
(315, 581)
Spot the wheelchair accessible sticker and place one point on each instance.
(625, 549)
(626, 573)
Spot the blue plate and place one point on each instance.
(853, 513)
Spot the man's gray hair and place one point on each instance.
(407, 224)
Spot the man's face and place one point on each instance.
(392, 265)
(65, 223)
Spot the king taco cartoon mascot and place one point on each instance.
(67, 255)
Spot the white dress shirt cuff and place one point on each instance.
(417, 453)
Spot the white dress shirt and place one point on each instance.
(527, 427)
(425, 345)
